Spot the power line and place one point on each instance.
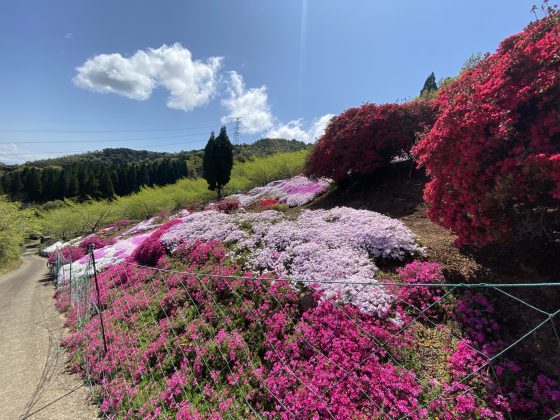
(90, 151)
(363, 282)
(7, 130)
(100, 141)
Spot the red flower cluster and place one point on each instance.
(151, 250)
(69, 253)
(268, 202)
(97, 242)
(494, 150)
(363, 139)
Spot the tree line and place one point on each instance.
(94, 179)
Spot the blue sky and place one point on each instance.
(82, 75)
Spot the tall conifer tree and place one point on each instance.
(218, 161)
(430, 84)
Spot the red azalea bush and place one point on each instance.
(364, 139)
(69, 253)
(494, 150)
(268, 202)
(151, 250)
(97, 242)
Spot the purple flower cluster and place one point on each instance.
(68, 253)
(294, 192)
(506, 386)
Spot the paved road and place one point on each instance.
(32, 364)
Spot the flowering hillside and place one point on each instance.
(190, 339)
(238, 314)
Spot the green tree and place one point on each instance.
(73, 184)
(143, 175)
(429, 85)
(33, 184)
(15, 225)
(218, 161)
(471, 62)
(106, 188)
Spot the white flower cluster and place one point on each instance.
(331, 247)
(104, 257)
(143, 226)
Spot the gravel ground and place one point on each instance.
(33, 380)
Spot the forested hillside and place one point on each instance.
(120, 171)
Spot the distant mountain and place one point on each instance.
(118, 156)
(264, 147)
(120, 171)
(114, 156)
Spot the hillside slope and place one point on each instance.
(398, 191)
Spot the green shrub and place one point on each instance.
(15, 225)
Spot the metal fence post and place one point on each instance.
(98, 299)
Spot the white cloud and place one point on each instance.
(191, 83)
(251, 105)
(13, 154)
(291, 130)
(294, 129)
(69, 36)
(319, 126)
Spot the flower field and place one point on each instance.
(241, 314)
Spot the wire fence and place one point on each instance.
(187, 343)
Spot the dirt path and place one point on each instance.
(33, 381)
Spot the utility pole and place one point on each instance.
(237, 130)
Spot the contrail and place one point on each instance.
(302, 51)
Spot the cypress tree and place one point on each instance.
(73, 184)
(6, 183)
(33, 184)
(62, 184)
(430, 84)
(218, 161)
(106, 188)
(143, 175)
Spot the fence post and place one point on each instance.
(70, 292)
(98, 299)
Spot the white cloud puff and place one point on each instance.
(319, 126)
(13, 154)
(291, 130)
(191, 83)
(251, 105)
(294, 129)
